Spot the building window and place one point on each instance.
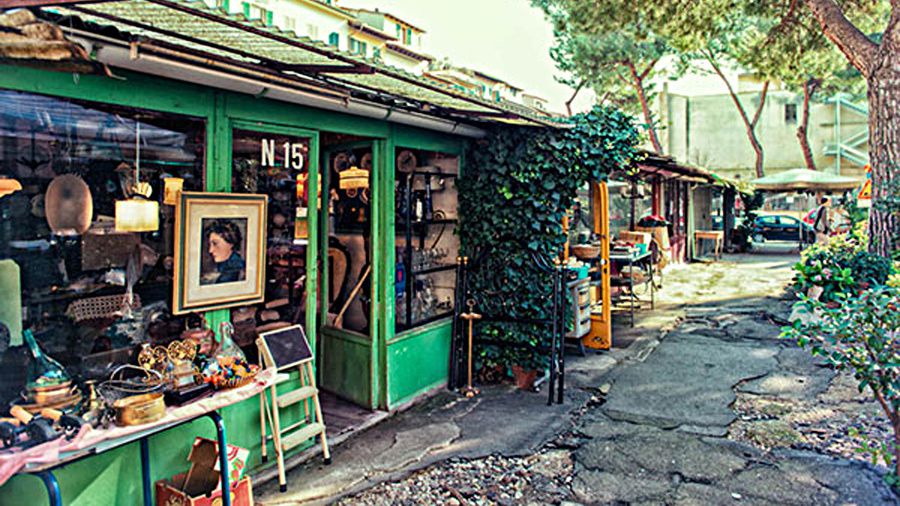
(790, 114)
(358, 47)
(254, 12)
(376, 53)
(223, 5)
(334, 39)
(289, 23)
(407, 39)
(312, 31)
(399, 31)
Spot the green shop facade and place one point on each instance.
(361, 219)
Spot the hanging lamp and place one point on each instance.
(9, 186)
(138, 213)
(354, 178)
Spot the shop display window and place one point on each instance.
(75, 161)
(276, 165)
(426, 243)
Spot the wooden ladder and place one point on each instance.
(296, 434)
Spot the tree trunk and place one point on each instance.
(880, 64)
(884, 147)
(638, 83)
(803, 128)
(749, 125)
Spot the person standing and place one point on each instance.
(822, 224)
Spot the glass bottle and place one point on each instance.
(43, 371)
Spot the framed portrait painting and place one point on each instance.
(220, 248)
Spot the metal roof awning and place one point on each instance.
(192, 30)
(805, 180)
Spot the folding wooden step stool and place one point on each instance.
(286, 349)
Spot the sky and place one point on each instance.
(508, 39)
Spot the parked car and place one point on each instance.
(781, 228)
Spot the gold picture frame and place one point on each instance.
(220, 251)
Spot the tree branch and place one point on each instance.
(858, 49)
(762, 104)
(650, 67)
(734, 98)
(572, 99)
(638, 83)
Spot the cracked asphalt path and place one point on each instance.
(660, 435)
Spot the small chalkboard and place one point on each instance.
(285, 347)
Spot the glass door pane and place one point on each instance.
(277, 165)
(349, 241)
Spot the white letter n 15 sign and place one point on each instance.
(293, 154)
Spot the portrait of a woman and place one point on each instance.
(224, 244)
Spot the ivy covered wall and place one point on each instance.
(517, 186)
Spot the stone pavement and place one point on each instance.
(645, 425)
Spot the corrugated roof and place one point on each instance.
(192, 25)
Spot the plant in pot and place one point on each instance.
(527, 364)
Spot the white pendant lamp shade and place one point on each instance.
(137, 215)
(68, 205)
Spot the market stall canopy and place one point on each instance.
(805, 180)
(667, 167)
(201, 35)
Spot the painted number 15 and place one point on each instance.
(293, 154)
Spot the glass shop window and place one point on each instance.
(276, 165)
(348, 262)
(629, 201)
(426, 242)
(64, 257)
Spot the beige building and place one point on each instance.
(707, 131)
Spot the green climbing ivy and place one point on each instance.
(516, 189)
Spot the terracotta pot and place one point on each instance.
(524, 379)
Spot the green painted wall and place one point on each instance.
(392, 371)
(417, 362)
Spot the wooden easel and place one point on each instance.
(284, 350)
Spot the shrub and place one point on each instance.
(841, 266)
(861, 334)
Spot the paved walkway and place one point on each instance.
(645, 425)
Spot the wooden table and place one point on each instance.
(713, 235)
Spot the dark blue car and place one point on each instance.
(782, 228)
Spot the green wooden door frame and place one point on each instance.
(375, 255)
(312, 209)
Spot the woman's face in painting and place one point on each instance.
(219, 248)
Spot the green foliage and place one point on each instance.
(517, 187)
(841, 266)
(860, 333)
(606, 46)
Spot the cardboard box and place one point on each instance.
(202, 484)
(168, 494)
